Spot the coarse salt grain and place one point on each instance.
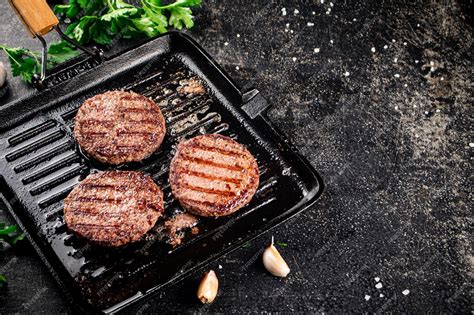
(471, 144)
(346, 73)
(405, 292)
(404, 43)
(367, 297)
(381, 295)
(331, 4)
(396, 107)
(238, 35)
(431, 63)
(316, 50)
(283, 11)
(416, 61)
(377, 279)
(291, 31)
(438, 110)
(220, 266)
(405, 85)
(226, 44)
(385, 47)
(310, 24)
(354, 19)
(322, 1)
(395, 59)
(397, 75)
(314, 13)
(373, 49)
(331, 41)
(237, 68)
(296, 11)
(426, 112)
(378, 285)
(417, 25)
(294, 59)
(287, 25)
(442, 79)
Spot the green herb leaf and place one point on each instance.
(281, 244)
(3, 281)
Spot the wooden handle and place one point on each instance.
(36, 15)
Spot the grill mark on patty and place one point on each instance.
(188, 158)
(204, 147)
(207, 190)
(136, 133)
(105, 186)
(209, 176)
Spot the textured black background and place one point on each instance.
(392, 138)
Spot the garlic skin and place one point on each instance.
(207, 290)
(3, 74)
(274, 263)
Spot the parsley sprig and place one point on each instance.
(9, 235)
(102, 22)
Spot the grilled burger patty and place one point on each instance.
(113, 208)
(118, 127)
(213, 175)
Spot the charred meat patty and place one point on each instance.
(113, 208)
(213, 175)
(118, 127)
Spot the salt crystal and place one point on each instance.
(385, 47)
(405, 292)
(354, 19)
(417, 25)
(316, 50)
(378, 285)
(238, 35)
(220, 266)
(314, 13)
(226, 44)
(331, 4)
(438, 110)
(404, 43)
(395, 59)
(396, 107)
(416, 61)
(405, 85)
(322, 1)
(367, 297)
(431, 63)
(294, 59)
(237, 68)
(331, 41)
(393, 41)
(310, 24)
(397, 75)
(287, 25)
(373, 49)
(381, 295)
(286, 30)
(377, 279)
(471, 144)
(426, 112)
(346, 73)
(432, 69)
(291, 31)
(328, 11)
(283, 11)
(442, 79)
(296, 11)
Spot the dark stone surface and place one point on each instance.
(391, 139)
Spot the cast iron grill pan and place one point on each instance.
(40, 163)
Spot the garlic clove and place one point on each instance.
(274, 263)
(3, 75)
(208, 288)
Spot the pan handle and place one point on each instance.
(36, 15)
